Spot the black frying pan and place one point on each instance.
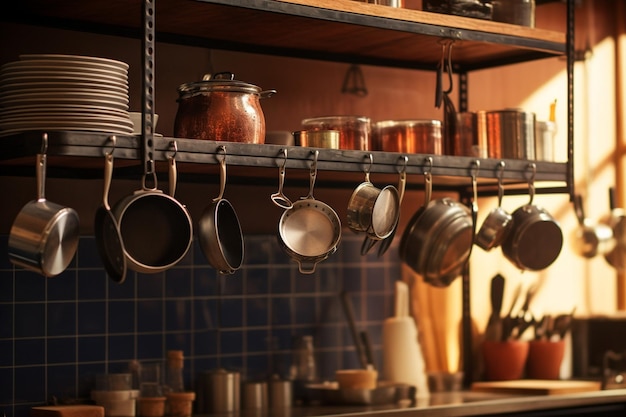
(107, 231)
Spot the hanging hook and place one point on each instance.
(44, 144)
(449, 68)
(221, 157)
(475, 172)
(402, 179)
(531, 181)
(500, 176)
(368, 167)
(113, 140)
(312, 174)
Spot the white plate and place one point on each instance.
(54, 109)
(63, 92)
(60, 96)
(78, 125)
(19, 67)
(87, 101)
(9, 87)
(62, 57)
(46, 75)
(52, 63)
(65, 118)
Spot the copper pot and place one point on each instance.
(221, 108)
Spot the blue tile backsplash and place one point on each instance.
(57, 333)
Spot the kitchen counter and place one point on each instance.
(467, 403)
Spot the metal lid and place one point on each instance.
(222, 81)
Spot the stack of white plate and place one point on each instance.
(64, 92)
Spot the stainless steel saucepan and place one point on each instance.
(44, 235)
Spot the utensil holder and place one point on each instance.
(544, 359)
(504, 360)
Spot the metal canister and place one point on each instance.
(219, 391)
(510, 134)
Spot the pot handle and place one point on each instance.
(222, 161)
(267, 93)
(308, 266)
(312, 175)
(172, 172)
(41, 169)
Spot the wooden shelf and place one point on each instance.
(337, 30)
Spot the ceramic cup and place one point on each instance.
(504, 360)
(544, 359)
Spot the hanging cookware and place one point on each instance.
(44, 235)
(591, 239)
(408, 231)
(310, 231)
(437, 242)
(107, 231)
(156, 229)
(220, 235)
(451, 248)
(536, 239)
(373, 210)
(384, 245)
(498, 222)
(616, 257)
(221, 108)
(279, 198)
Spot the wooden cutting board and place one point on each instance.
(68, 411)
(536, 386)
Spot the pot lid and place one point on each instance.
(222, 81)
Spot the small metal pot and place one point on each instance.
(591, 239)
(408, 136)
(536, 239)
(616, 257)
(221, 108)
(497, 224)
(373, 210)
(44, 235)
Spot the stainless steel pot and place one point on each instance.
(221, 108)
(156, 229)
(310, 231)
(219, 231)
(591, 239)
(616, 220)
(438, 242)
(373, 210)
(498, 222)
(44, 235)
(536, 239)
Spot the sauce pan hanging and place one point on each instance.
(536, 239)
(44, 235)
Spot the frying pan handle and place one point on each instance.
(108, 174)
(313, 174)
(222, 162)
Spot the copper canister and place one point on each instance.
(408, 136)
(510, 134)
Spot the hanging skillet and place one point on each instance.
(155, 227)
(107, 231)
(219, 231)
